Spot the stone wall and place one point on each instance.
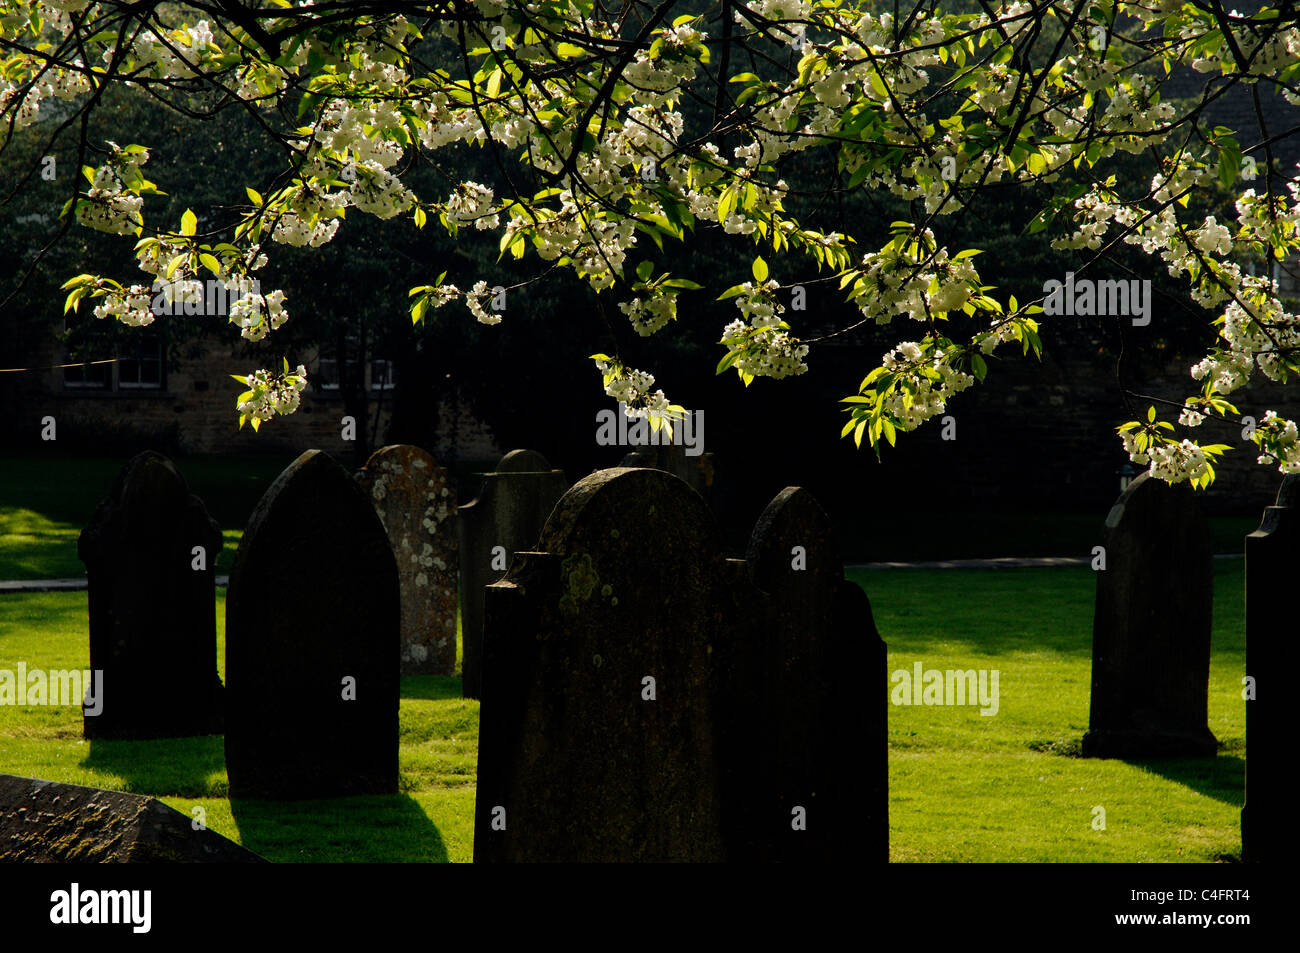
(194, 412)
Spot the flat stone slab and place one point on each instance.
(52, 822)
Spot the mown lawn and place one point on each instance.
(963, 787)
(967, 787)
(432, 819)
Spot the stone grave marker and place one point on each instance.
(801, 699)
(596, 728)
(506, 517)
(1272, 568)
(1151, 628)
(150, 551)
(417, 505)
(312, 642)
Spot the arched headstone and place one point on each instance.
(312, 642)
(417, 505)
(1151, 628)
(596, 725)
(808, 667)
(150, 551)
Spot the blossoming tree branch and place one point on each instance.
(595, 110)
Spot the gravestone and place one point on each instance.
(50, 822)
(507, 516)
(1151, 628)
(1272, 568)
(312, 642)
(799, 703)
(150, 551)
(417, 503)
(574, 761)
(645, 699)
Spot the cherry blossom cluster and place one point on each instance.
(270, 394)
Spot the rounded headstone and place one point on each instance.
(312, 642)
(417, 505)
(150, 552)
(523, 461)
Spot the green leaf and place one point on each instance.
(189, 223)
(643, 270)
(254, 196)
(1151, 413)
(210, 262)
(759, 269)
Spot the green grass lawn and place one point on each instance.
(967, 787)
(431, 819)
(963, 787)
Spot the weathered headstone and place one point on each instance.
(506, 517)
(645, 699)
(312, 642)
(150, 552)
(800, 672)
(580, 757)
(1151, 628)
(417, 505)
(50, 822)
(1272, 568)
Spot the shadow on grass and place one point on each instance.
(175, 767)
(431, 687)
(376, 829)
(1222, 778)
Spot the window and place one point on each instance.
(140, 361)
(87, 376)
(376, 374)
(383, 375)
(113, 358)
(90, 343)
